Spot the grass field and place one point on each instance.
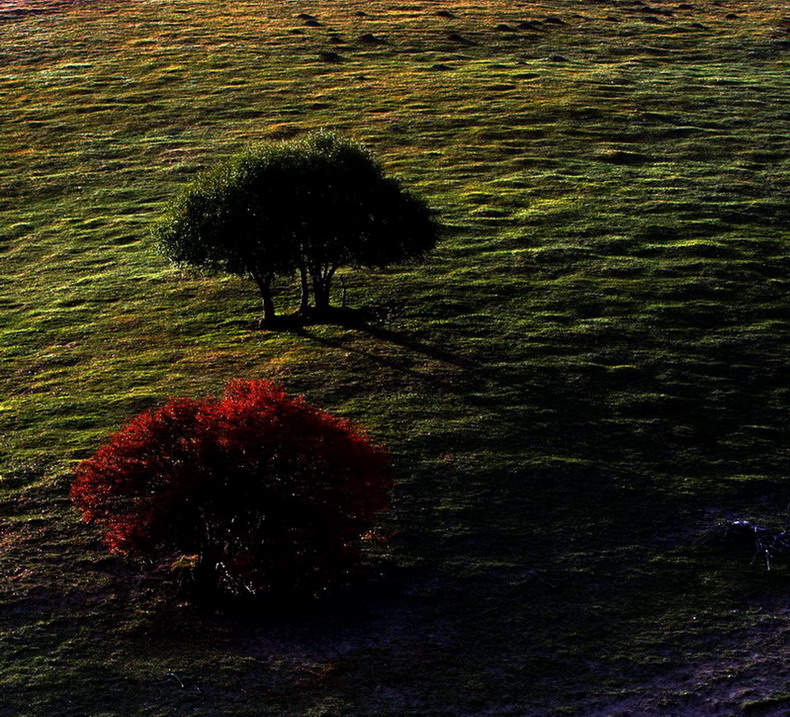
(584, 383)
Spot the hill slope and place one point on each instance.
(585, 382)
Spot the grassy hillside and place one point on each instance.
(587, 379)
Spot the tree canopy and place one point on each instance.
(304, 207)
(255, 493)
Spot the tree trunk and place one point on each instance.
(322, 283)
(267, 302)
(304, 304)
(345, 291)
(321, 291)
(267, 305)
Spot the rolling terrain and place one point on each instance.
(583, 384)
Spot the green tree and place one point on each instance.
(355, 215)
(306, 207)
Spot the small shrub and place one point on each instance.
(257, 493)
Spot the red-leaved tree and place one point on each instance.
(258, 493)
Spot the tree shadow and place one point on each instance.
(400, 365)
(409, 342)
(367, 321)
(649, 417)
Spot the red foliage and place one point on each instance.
(269, 492)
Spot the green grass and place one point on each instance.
(585, 381)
